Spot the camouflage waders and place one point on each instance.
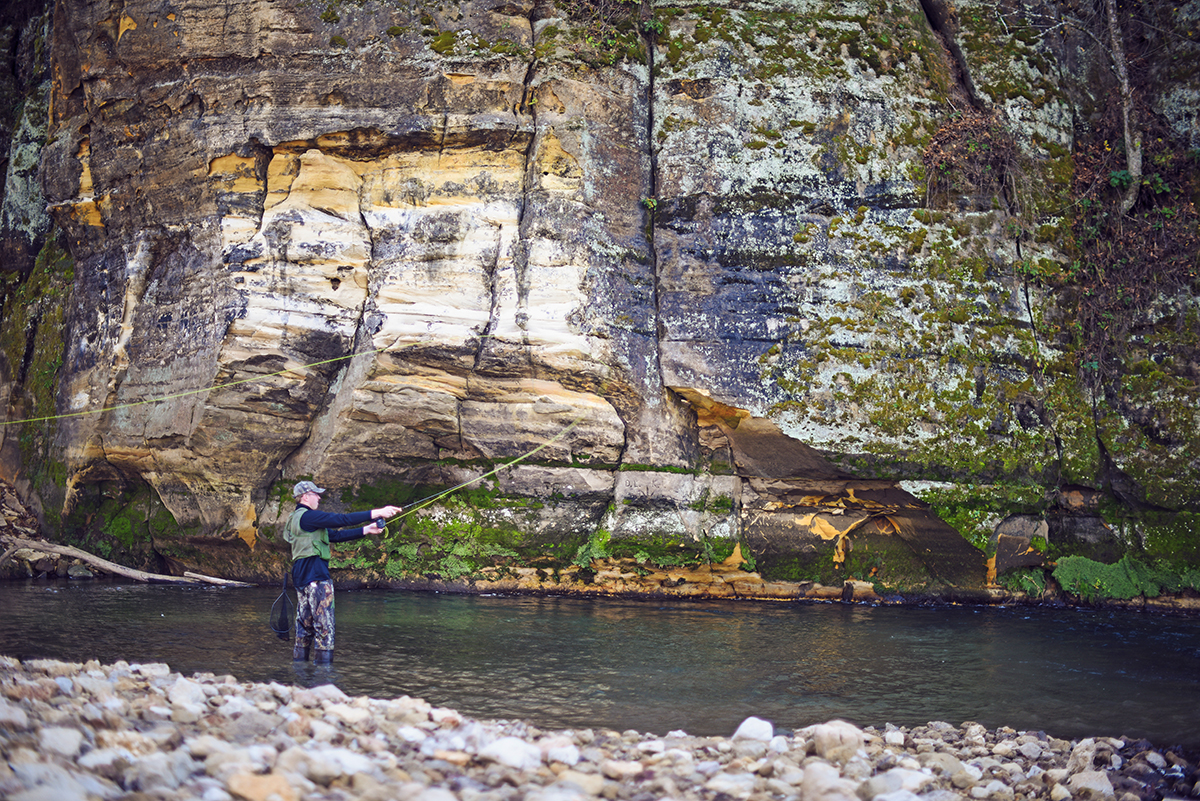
(314, 621)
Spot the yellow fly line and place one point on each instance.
(175, 395)
(421, 504)
(416, 506)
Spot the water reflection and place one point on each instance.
(699, 666)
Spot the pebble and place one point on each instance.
(87, 732)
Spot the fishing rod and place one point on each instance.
(280, 616)
(421, 504)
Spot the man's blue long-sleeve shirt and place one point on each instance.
(314, 568)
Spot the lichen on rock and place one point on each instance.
(817, 282)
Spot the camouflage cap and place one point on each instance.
(306, 486)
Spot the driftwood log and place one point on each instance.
(13, 544)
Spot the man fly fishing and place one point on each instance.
(310, 532)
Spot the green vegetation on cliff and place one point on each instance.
(1128, 578)
(31, 341)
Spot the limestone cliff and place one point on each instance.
(809, 278)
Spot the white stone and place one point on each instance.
(411, 734)
(1030, 750)
(894, 738)
(107, 762)
(62, 741)
(315, 696)
(514, 753)
(1081, 756)
(993, 789)
(556, 792)
(620, 770)
(590, 783)
(1059, 793)
(161, 771)
(566, 754)
(892, 781)
(12, 716)
(349, 762)
(753, 728)
(789, 774)
(156, 712)
(234, 705)
(54, 782)
(898, 795)
(323, 732)
(186, 691)
(314, 766)
(737, 785)
(445, 717)
(822, 781)
(435, 794)
(940, 761)
(837, 740)
(1090, 781)
(43, 793)
(151, 670)
(200, 747)
(115, 704)
(223, 764)
(97, 686)
(349, 715)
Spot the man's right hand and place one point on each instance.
(387, 512)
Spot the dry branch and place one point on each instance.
(15, 543)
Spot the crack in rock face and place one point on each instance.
(711, 257)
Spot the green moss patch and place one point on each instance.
(122, 522)
(1128, 578)
(32, 341)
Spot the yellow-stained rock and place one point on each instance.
(255, 787)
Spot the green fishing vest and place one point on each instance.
(305, 543)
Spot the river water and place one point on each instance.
(701, 667)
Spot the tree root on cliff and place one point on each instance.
(13, 544)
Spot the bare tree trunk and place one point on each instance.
(1133, 139)
(16, 543)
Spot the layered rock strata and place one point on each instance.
(693, 264)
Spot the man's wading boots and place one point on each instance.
(300, 653)
(322, 657)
